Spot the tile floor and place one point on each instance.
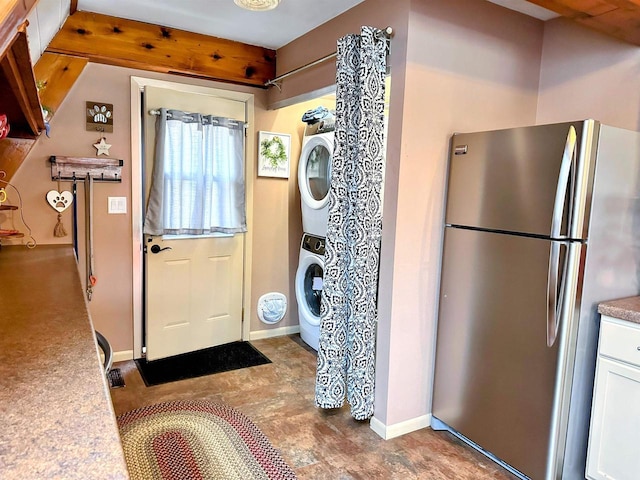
(317, 444)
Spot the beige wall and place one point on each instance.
(277, 216)
(111, 305)
(455, 65)
(314, 45)
(322, 41)
(277, 219)
(470, 66)
(586, 74)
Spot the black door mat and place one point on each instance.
(115, 378)
(222, 358)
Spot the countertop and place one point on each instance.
(57, 420)
(624, 309)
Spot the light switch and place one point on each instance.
(117, 205)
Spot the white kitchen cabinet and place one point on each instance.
(614, 436)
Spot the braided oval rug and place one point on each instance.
(197, 440)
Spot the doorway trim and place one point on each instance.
(137, 87)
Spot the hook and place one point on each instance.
(275, 84)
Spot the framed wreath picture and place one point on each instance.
(273, 154)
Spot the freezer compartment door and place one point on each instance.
(512, 180)
(494, 373)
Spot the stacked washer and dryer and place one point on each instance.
(314, 179)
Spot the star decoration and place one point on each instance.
(102, 147)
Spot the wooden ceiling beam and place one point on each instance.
(618, 18)
(57, 74)
(576, 8)
(619, 23)
(127, 43)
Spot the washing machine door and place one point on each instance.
(314, 170)
(309, 288)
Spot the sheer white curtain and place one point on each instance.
(198, 184)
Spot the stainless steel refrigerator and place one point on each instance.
(542, 223)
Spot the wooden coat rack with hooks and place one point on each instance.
(71, 169)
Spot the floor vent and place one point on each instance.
(116, 380)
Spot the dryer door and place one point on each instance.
(309, 288)
(314, 170)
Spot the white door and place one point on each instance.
(193, 285)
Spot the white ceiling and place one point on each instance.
(223, 18)
(219, 18)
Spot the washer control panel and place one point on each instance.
(325, 125)
(313, 244)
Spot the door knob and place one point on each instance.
(157, 249)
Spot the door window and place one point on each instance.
(318, 172)
(197, 184)
(313, 288)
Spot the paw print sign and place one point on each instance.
(59, 201)
(99, 116)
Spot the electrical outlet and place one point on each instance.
(117, 205)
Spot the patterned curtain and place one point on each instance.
(346, 354)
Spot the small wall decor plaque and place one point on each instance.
(102, 147)
(99, 116)
(273, 154)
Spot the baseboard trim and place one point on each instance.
(274, 332)
(122, 356)
(392, 431)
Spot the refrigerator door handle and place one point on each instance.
(552, 293)
(568, 160)
(555, 295)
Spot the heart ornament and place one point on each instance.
(59, 201)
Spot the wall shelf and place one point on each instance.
(10, 234)
(58, 73)
(77, 168)
(19, 98)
